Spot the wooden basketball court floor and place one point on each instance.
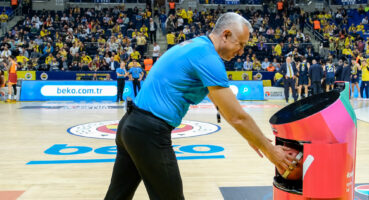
(32, 167)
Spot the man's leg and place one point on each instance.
(294, 95)
(362, 86)
(286, 88)
(154, 35)
(118, 89)
(148, 141)
(138, 85)
(125, 177)
(135, 86)
(151, 36)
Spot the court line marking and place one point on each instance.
(43, 162)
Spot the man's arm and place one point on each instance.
(119, 74)
(232, 111)
(141, 76)
(283, 69)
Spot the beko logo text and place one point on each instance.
(187, 152)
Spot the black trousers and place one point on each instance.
(144, 152)
(120, 88)
(136, 86)
(316, 87)
(364, 86)
(152, 35)
(290, 82)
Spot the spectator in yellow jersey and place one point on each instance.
(141, 43)
(116, 57)
(347, 52)
(144, 30)
(148, 13)
(116, 28)
(101, 40)
(85, 59)
(170, 40)
(181, 37)
(278, 33)
(189, 15)
(135, 55)
(4, 22)
(22, 59)
(134, 33)
(277, 51)
(44, 32)
(360, 27)
(59, 44)
(257, 65)
(184, 16)
(292, 31)
(63, 53)
(134, 63)
(352, 28)
(49, 58)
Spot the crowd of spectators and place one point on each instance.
(96, 39)
(80, 39)
(343, 33)
(277, 33)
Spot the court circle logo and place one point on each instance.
(107, 129)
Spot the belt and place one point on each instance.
(145, 112)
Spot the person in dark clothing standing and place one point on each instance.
(316, 75)
(289, 72)
(152, 30)
(346, 72)
(121, 75)
(303, 68)
(136, 74)
(338, 72)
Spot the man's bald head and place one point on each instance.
(231, 21)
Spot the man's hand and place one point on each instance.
(279, 157)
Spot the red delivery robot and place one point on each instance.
(321, 131)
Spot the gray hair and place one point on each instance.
(231, 19)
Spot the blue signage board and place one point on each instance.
(73, 90)
(107, 90)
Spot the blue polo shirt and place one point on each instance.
(180, 78)
(135, 71)
(121, 71)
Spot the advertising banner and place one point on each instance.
(107, 90)
(273, 93)
(247, 90)
(77, 75)
(72, 90)
(23, 75)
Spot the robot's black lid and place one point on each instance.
(304, 107)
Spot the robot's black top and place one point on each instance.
(305, 107)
